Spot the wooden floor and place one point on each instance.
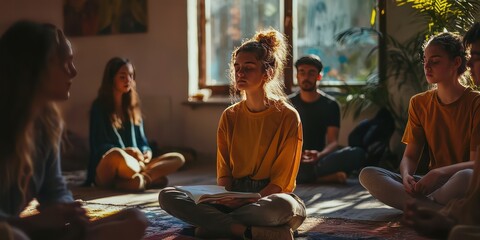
(349, 201)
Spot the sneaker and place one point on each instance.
(272, 233)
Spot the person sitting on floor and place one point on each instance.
(36, 71)
(259, 143)
(460, 219)
(120, 155)
(445, 120)
(320, 115)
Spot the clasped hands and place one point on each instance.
(310, 156)
(426, 221)
(427, 184)
(142, 158)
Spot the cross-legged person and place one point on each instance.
(445, 120)
(121, 157)
(259, 142)
(320, 115)
(460, 218)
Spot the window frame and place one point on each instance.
(220, 90)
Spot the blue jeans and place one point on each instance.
(345, 160)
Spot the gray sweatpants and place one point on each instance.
(387, 186)
(274, 210)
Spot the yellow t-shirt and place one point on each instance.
(450, 130)
(263, 145)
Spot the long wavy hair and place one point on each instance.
(270, 48)
(25, 50)
(130, 100)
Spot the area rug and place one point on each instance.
(336, 212)
(164, 226)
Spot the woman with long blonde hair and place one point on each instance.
(36, 71)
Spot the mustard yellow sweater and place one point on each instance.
(263, 145)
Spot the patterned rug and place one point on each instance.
(164, 226)
(337, 212)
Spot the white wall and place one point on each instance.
(161, 60)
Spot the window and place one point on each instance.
(319, 22)
(310, 25)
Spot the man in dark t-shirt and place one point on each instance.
(320, 115)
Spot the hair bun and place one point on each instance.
(271, 38)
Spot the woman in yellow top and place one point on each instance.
(444, 121)
(259, 148)
(460, 218)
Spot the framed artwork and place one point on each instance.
(103, 17)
